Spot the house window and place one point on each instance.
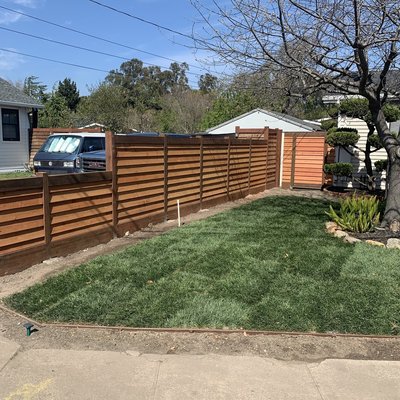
(10, 124)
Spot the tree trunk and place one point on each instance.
(367, 159)
(391, 219)
(368, 162)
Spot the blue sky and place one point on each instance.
(88, 17)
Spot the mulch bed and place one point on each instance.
(379, 235)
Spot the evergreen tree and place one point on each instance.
(69, 91)
(34, 88)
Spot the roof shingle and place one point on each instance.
(10, 95)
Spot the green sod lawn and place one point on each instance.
(268, 265)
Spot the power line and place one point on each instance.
(95, 37)
(83, 48)
(141, 19)
(55, 61)
(61, 62)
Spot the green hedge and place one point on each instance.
(339, 169)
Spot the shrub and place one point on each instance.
(375, 141)
(357, 213)
(342, 137)
(328, 124)
(339, 169)
(381, 165)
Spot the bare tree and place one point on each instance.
(346, 46)
(186, 109)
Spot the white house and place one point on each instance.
(341, 155)
(259, 118)
(15, 107)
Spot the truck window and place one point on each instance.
(93, 144)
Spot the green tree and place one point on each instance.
(106, 105)
(144, 86)
(208, 83)
(34, 88)
(55, 114)
(67, 89)
(227, 106)
(177, 79)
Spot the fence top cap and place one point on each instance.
(79, 133)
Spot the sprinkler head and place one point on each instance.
(28, 326)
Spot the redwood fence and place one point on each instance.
(50, 216)
(303, 159)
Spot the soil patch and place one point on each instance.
(281, 347)
(378, 235)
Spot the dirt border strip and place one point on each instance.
(250, 332)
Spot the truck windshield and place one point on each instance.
(62, 144)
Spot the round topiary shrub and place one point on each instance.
(339, 169)
(342, 137)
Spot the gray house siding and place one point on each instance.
(14, 154)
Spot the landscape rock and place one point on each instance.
(395, 226)
(375, 243)
(393, 243)
(331, 227)
(340, 234)
(351, 239)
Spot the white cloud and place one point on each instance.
(27, 3)
(7, 17)
(10, 61)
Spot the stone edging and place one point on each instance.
(334, 229)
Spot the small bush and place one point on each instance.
(342, 137)
(381, 165)
(357, 213)
(328, 124)
(375, 141)
(339, 169)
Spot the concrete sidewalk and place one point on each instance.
(69, 374)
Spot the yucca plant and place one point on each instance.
(357, 213)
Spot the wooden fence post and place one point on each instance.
(46, 212)
(201, 170)
(110, 151)
(249, 173)
(278, 157)
(266, 138)
(111, 165)
(324, 176)
(293, 166)
(228, 167)
(165, 178)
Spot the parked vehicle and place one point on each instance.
(60, 153)
(93, 161)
